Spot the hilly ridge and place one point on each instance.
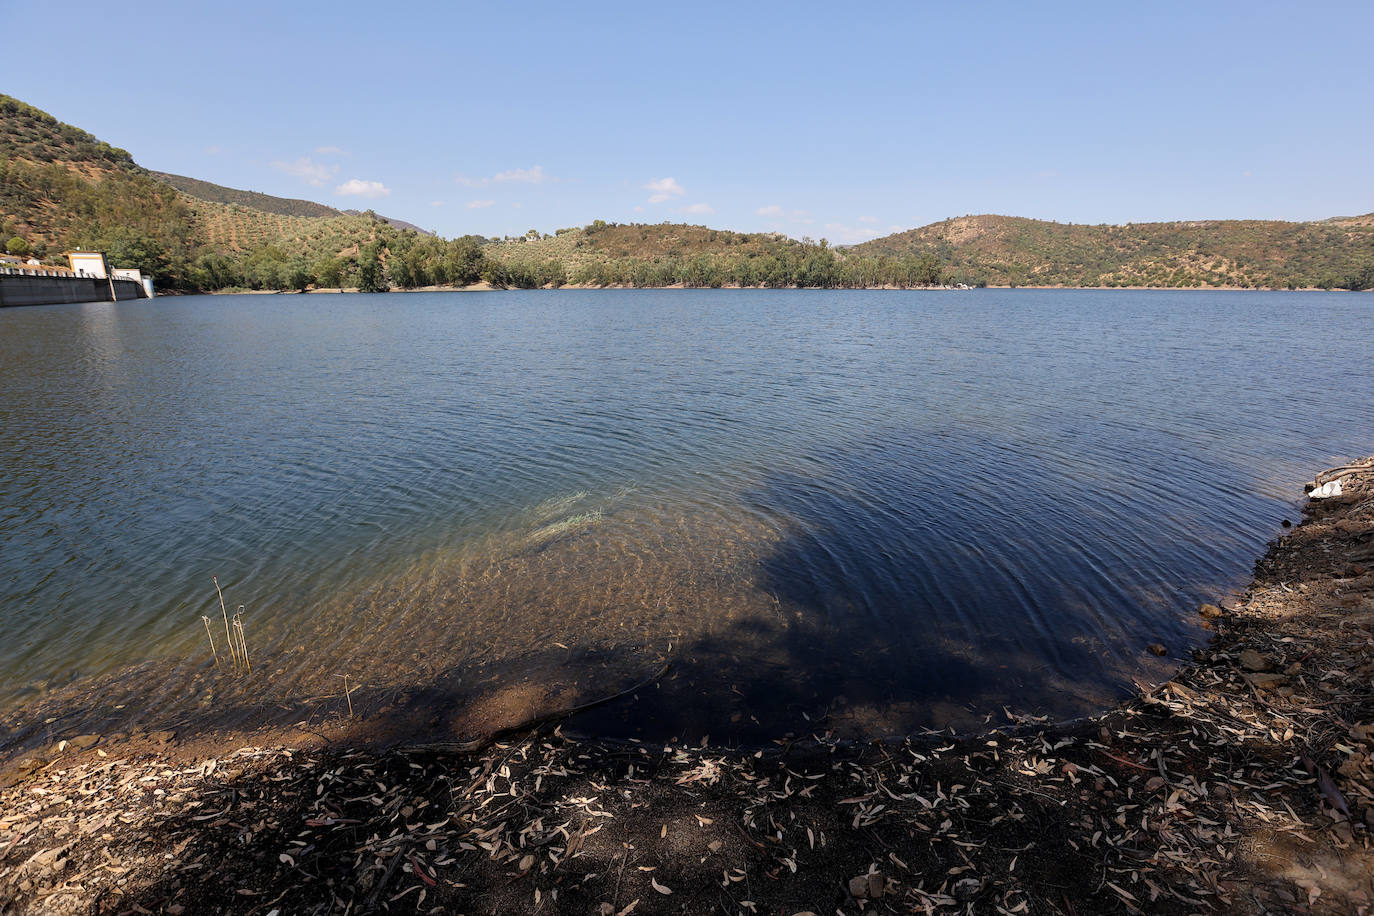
(61, 187)
(208, 191)
(1246, 253)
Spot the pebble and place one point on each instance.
(1158, 649)
(1265, 680)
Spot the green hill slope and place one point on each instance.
(62, 188)
(204, 190)
(1005, 249)
(674, 254)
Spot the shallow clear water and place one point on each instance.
(897, 509)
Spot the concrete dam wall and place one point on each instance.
(26, 289)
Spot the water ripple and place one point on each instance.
(902, 508)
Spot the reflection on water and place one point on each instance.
(875, 511)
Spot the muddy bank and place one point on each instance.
(1245, 784)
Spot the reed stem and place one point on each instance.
(211, 636)
(348, 694)
(228, 634)
(243, 643)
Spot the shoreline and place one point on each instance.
(484, 287)
(1245, 783)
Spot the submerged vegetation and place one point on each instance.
(61, 188)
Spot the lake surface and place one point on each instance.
(870, 512)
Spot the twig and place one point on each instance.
(243, 643)
(347, 693)
(213, 651)
(228, 636)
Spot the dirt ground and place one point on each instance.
(1243, 785)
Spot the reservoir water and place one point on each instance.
(867, 512)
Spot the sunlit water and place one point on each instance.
(865, 511)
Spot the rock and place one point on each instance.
(1251, 660)
(1265, 680)
(82, 742)
(858, 887)
(876, 886)
(967, 888)
(1209, 611)
(163, 738)
(1157, 648)
(22, 768)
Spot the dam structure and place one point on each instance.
(89, 279)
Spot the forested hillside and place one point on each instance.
(667, 254)
(62, 188)
(205, 190)
(1246, 253)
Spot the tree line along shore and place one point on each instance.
(62, 188)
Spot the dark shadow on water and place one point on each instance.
(930, 582)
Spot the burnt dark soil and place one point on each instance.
(1243, 785)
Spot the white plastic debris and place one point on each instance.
(1330, 488)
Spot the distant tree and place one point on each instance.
(1361, 280)
(126, 247)
(17, 246)
(213, 271)
(371, 274)
(328, 272)
(296, 276)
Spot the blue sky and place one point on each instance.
(821, 120)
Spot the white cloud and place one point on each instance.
(777, 212)
(328, 151)
(479, 204)
(212, 149)
(638, 208)
(356, 187)
(848, 235)
(664, 189)
(436, 203)
(533, 175)
(305, 168)
(699, 208)
(868, 219)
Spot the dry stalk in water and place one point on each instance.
(228, 634)
(243, 643)
(211, 635)
(347, 692)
